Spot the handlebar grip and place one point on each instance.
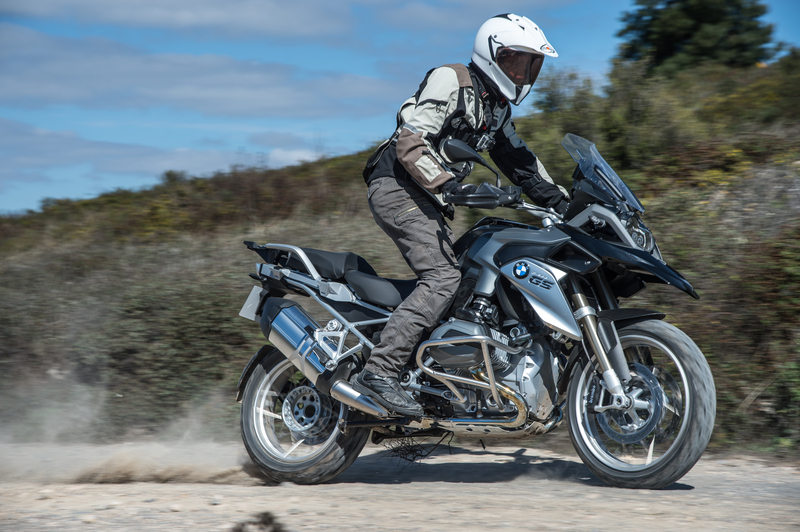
(485, 197)
(510, 196)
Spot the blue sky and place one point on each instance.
(98, 95)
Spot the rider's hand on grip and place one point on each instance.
(510, 196)
(545, 194)
(484, 196)
(453, 191)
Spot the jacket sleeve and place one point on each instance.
(436, 100)
(511, 154)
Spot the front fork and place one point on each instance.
(603, 340)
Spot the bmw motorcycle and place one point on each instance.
(534, 336)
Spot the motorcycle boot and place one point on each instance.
(388, 392)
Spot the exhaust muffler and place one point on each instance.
(289, 328)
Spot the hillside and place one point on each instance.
(118, 315)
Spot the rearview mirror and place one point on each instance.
(459, 151)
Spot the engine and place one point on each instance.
(533, 372)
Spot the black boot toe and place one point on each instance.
(388, 392)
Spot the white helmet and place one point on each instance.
(510, 50)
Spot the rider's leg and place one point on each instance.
(425, 241)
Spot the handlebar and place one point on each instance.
(488, 196)
(491, 196)
(541, 213)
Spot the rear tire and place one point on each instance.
(661, 437)
(290, 429)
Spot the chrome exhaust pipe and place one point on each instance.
(289, 328)
(343, 392)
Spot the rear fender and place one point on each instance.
(248, 369)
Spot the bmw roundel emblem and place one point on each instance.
(521, 270)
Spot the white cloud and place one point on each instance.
(298, 19)
(39, 163)
(29, 153)
(231, 18)
(280, 157)
(41, 70)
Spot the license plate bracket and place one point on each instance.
(251, 304)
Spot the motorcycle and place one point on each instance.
(535, 334)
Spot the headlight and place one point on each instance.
(641, 235)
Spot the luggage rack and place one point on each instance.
(320, 289)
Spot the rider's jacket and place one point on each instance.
(451, 102)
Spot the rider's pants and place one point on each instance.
(426, 242)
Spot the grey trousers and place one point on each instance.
(426, 243)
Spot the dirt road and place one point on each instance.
(205, 487)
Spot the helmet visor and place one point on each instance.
(522, 68)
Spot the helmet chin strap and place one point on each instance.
(488, 84)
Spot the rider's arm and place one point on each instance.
(510, 154)
(436, 101)
(523, 168)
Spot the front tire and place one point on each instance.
(290, 429)
(667, 428)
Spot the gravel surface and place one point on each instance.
(207, 487)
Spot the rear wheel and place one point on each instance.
(290, 429)
(665, 429)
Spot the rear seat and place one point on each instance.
(357, 272)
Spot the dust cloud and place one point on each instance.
(49, 441)
(221, 463)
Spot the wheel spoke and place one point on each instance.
(612, 434)
(268, 413)
(650, 451)
(295, 446)
(306, 423)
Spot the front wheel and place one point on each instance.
(664, 430)
(291, 430)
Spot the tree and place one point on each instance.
(679, 34)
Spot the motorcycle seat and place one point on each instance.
(330, 264)
(356, 271)
(380, 291)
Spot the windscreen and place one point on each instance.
(598, 171)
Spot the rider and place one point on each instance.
(410, 181)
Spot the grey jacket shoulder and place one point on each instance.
(462, 73)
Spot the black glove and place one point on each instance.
(544, 193)
(464, 172)
(453, 189)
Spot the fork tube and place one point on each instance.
(587, 316)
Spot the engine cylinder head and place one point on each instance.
(500, 358)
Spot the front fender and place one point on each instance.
(636, 260)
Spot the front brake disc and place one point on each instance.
(627, 426)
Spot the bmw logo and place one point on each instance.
(521, 270)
